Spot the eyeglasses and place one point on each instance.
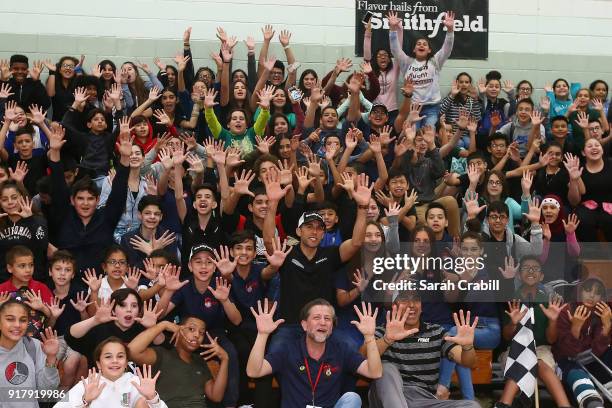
(496, 218)
(497, 146)
(531, 269)
(115, 262)
(524, 89)
(495, 182)
(68, 66)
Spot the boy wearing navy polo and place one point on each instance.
(244, 272)
(311, 370)
(206, 295)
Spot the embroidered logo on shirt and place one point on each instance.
(16, 373)
(209, 302)
(297, 263)
(320, 260)
(423, 340)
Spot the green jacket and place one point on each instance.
(245, 142)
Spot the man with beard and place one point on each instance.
(311, 370)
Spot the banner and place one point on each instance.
(425, 19)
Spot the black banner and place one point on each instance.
(425, 19)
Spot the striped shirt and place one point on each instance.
(418, 356)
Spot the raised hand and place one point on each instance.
(582, 120)
(243, 181)
(265, 96)
(279, 253)
(150, 314)
(213, 349)
(465, 331)
(195, 163)
(159, 64)
(222, 290)
(366, 67)
(81, 302)
(572, 164)
(571, 225)
(507, 86)
(367, 319)
(555, 306)
(21, 170)
(581, 314)
(395, 329)
(132, 278)
(181, 61)
(360, 280)
(4, 297)
(34, 300)
(303, 179)
(104, 311)
(449, 21)
(154, 94)
(264, 317)
(394, 208)
(268, 32)
(409, 200)
(286, 175)
(93, 386)
(470, 201)
(151, 188)
(414, 115)
(250, 44)
(80, 95)
(535, 211)
(55, 308)
(223, 262)
(514, 311)
(395, 23)
(536, 118)
(602, 309)
(36, 70)
(272, 183)
(343, 65)
(363, 191)
(5, 91)
(264, 143)
(510, 269)
(165, 158)
(374, 144)
(50, 343)
(146, 383)
(162, 117)
(284, 37)
(527, 182)
(171, 276)
(232, 159)
(92, 280)
(473, 173)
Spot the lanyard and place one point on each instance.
(313, 387)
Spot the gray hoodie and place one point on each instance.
(21, 372)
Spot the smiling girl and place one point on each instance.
(27, 363)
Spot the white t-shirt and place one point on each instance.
(120, 393)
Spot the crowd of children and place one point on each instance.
(149, 227)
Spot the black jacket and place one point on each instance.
(86, 242)
(28, 93)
